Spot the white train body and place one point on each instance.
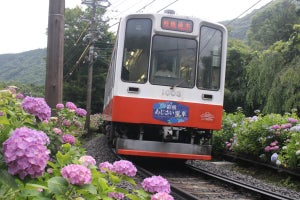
(169, 115)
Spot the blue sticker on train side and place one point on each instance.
(170, 112)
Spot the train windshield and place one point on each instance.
(173, 61)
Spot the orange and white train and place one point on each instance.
(159, 115)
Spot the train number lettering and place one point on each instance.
(171, 93)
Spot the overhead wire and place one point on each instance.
(167, 6)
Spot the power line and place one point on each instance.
(167, 6)
(244, 12)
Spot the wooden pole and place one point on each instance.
(55, 53)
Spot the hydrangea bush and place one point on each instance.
(41, 156)
(271, 138)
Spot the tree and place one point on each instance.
(238, 56)
(76, 63)
(272, 24)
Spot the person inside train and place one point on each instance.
(164, 71)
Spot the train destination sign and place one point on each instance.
(170, 112)
(174, 24)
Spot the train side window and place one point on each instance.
(209, 68)
(136, 50)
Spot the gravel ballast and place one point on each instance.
(98, 148)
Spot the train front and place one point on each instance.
(165, 86)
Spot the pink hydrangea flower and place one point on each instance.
(59, 106)
(66, 122)
(2, 113)
(67, 138)
(124, 167)
(274, 148)
(285, 126)
(116, 195)
(156, 184)
(87, 160)
(25, 152)
(80, 112)
(77, 174)
(292, 120)
(20, 96)
(71, 106)
(161, 196)
(37, 107)
(57, 131)
(267, 148)
(274, 143)
(104, 166)
(276, 126)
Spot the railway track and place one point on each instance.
(190, 182)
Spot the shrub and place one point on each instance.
(41, 156)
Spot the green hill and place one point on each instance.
(27, 67)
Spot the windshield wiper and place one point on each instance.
(177, 84)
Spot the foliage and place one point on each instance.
(76, 62)
(229, 122)
(238, 56)
(271, 138)
(273, 24)
(69, 173)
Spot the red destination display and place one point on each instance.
(174, 24)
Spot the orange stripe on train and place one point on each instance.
(140, 111)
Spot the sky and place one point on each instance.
(24, 22)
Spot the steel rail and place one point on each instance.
(251, 188)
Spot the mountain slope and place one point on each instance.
(26, 67)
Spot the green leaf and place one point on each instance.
(7, 179)
(63, 159)
(89, 188)
(58, 185)
(129, 180)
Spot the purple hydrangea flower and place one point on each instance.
(274, 157)
(295, 128)
(161, 196)
(37, 107)
(77, 174)
(25, 153)
(2, 113)
(80, 112)
(156, 184)
(116, 195)
(104, 166)
(124, 167)
(71, 106)
(87, 160)
(59, 106)
(67, 138)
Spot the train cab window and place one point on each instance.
(136, 50)
(209, 68)
(173, 61)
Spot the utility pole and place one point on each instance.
(94, 35)
(55, 53)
